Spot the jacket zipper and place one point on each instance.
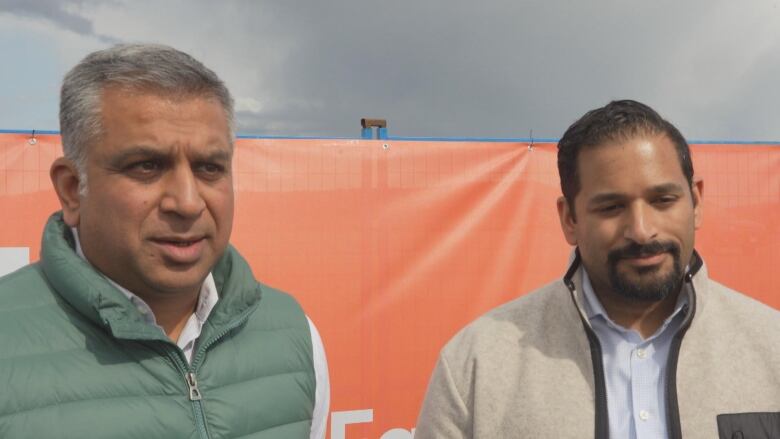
(601, 421)
(602, 411)
(672, 405)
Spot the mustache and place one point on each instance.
(635, 250)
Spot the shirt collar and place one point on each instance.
(594, 308)
(207, 298)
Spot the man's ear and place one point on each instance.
(567, 221)
(65, 178)
(697, 192)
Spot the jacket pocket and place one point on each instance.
(749, 425)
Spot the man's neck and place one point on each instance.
(172, 311)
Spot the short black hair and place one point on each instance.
(618, 120)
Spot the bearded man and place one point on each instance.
(636, 340)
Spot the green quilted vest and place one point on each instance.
(78, 361)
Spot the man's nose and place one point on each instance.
(182, 193)
(640, 224)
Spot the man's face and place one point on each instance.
(635, 217)
(158, 210)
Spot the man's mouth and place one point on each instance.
(646, 259)
(644, 256)
(179, 243)
(180, 250)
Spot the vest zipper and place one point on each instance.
(193, 383)
(190, 372)
(197, 408)
(193, 391)
(233, 325)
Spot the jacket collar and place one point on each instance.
(86, 290)
(695, 282)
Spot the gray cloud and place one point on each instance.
(496, 68)
(502, 69)
(60, 13)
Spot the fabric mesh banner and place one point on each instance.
(392, 246)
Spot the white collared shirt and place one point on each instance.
(207, 299)
(634, 368)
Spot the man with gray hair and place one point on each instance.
(140, 320)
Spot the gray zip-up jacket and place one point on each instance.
(532, 368)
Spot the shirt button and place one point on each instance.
(641, 353)
(644, 415)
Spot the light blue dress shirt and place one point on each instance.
(634, 369)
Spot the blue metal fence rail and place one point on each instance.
(381, 133)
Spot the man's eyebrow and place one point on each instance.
(139, 150)
(666, 188)
(214, 156)
(151, 152)
(605, 198)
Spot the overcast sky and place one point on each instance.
(490, 68)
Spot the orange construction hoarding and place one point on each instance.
(392, 246)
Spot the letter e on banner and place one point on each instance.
(340, 420)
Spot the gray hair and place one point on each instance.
(141, 67)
